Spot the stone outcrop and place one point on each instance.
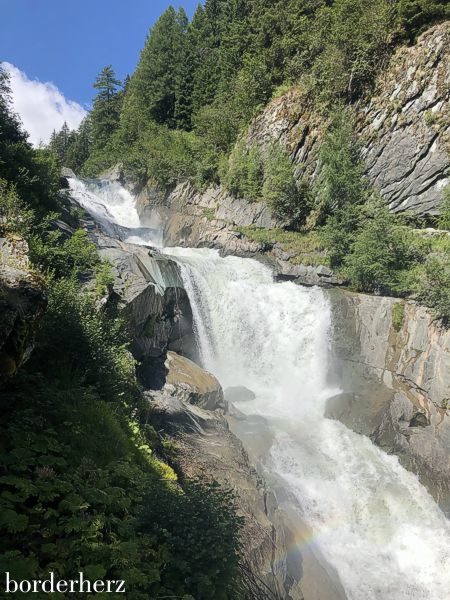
(22, 304)
(150, 294)
(209, 219)
(404, 127)
(393, 362)
(205, 447)
(190, 383)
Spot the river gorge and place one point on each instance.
(360, 524)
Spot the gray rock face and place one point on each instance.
(407, 127)
(207, 448)
(207, 220)
(22, 304)
(404, 128)
(307, 274)
(396, 379)
(190, 383)
(150, 293)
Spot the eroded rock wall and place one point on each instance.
(209, 219)
(404, 128)
(392, 360)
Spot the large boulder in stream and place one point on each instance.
(22, 304)
(150, 294)
(190, 383)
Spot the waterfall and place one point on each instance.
(370, 519)
(114, 208)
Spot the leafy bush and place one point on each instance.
(341, 188)
(61, 257)
(383, 253)
(210, 565)
(341, 180)
(243, 175)
(95, 343)
(104, 277)
(434, 286)
(289, 201)
(15, 215)
(444, 210)
(398, 315)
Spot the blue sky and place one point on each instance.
(67, 42)
(53, 50)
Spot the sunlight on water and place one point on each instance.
(371, 519)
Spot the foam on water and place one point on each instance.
(370, 518)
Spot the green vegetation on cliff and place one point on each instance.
(183, 115)
(84, 486)
(209, 77)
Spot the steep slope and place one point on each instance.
(403, 127)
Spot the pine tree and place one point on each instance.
(80, 149)
(106, 111)
(152, 91)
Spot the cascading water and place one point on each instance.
(111, 205)
(369, 518)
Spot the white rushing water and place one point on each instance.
(370, 518)
(114, 207)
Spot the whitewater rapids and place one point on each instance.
(370, 519)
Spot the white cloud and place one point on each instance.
(41, 106)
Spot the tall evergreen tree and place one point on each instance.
(80, 149)
(106, 110)
(152, 91)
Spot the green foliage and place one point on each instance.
(255, 174)
(73, 148)
(244, 174)
(289, 201)
(350, 41)
(209, 213)
(383, 253)
(211, 565)
(434, 285)
(61, 142)
(444, 210)
(153, 93)
(104, 278)
(15, 215)
(53, 254)
(416, 15)
(341, 188)
(305, 248)
(341, 181)
(165, 156)
(106, 109)
(398, 315)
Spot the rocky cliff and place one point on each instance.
(392, 361)
(208, 219)
(403, 127)
(22, 304)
